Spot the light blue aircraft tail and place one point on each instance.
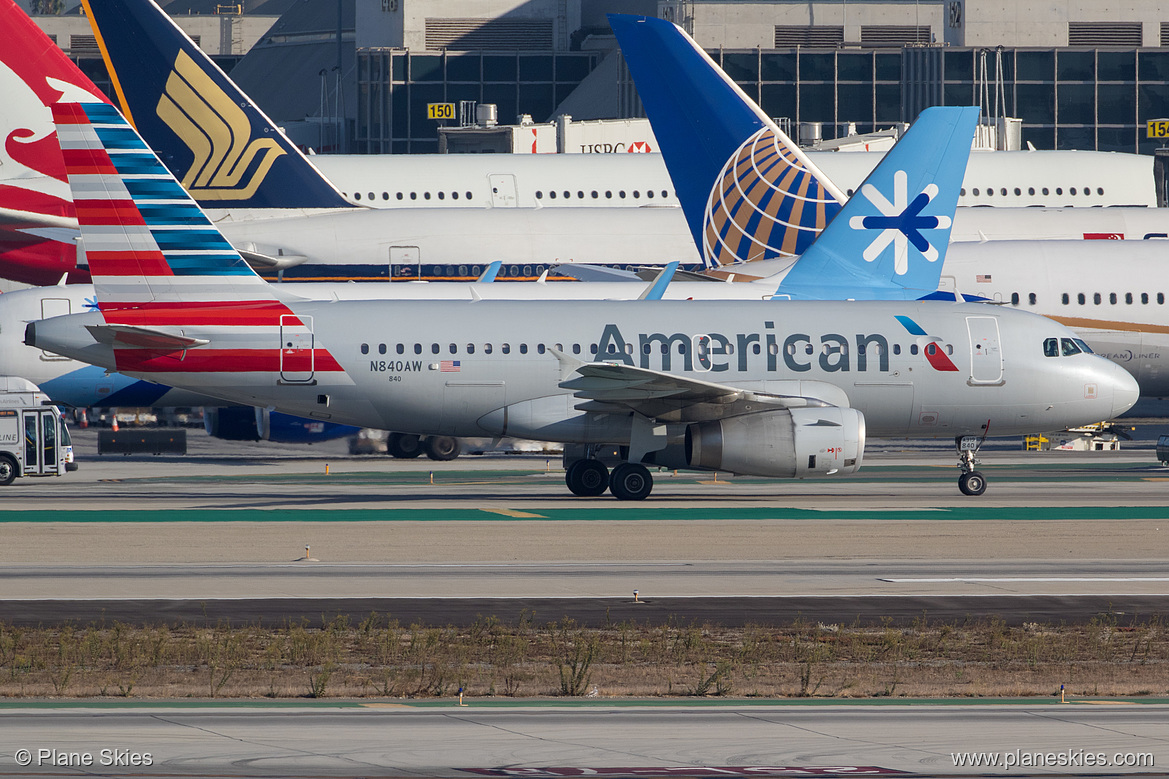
(889, 241)
(223, 149)
(748, 192)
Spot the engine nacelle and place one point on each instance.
(241, 423)
(796, 443)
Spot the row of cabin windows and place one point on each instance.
(703, 348)
(1064, 347)
(469, 270)
(1097, 298)
(989, 191)
(649, 193)
(411, 195)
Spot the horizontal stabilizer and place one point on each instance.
(128, 336)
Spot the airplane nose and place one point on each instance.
(1125, 390)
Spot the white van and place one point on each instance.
(34, 440)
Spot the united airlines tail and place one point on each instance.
(226, 152)
(748, 192)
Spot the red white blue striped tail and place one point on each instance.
(148, 244)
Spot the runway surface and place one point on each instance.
(447, 741)
(1064, 536)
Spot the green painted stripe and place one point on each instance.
(610, 512)
(508, 703)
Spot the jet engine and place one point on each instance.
(794, 443)
(241, 423)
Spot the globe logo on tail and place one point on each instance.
(765, 203)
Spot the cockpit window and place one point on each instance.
(1069, 347)
(1051, 347)
(1083, 346)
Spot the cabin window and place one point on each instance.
(1014, 298)
(1160, 298)
(961, 192)
(913, 348)
(1096, 298)
(527, 270)
(664, 193)
(594, 194)
(755, 349)
(1051, 347)
(1031, 298)
(649, 193)
(621, 194)
(505, 348)
(1059, 190)
(523, 348)
(470, 348)
(540, 348)
(435, 349)
(976, 191)
(1003, 191)
(399, 196)
(1030, 190)
(1072, 191)
(580, 194)
(1128, 298)
(1087, 191)
(989, 192)
(773, 348)
(487, 348)
(365, 348)
(636, 193)
(413, 195)
(1045, 191)
(1081, 298)
(453, 349)
(567, 194)
(949, 349)
(385, 196)
(417, 348)
(539, 195)
(454, 195)
(592, 348)
(463, 270)
(1144, 298)
(357, 196)
(552, 194)
(1018, 191)
(1065, 298)
(791, 349)
(896, 348)
(609, 194)
(576, 348)
(442, 196)
(1099, 190)
(381, 348)
(426, 195)
(559, 348)
(1112, 298)
(468, 195)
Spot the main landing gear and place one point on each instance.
(971, 482)
(590, 478)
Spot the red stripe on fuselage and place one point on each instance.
(204, 360)
(108, 212)
(128, 263)
(246, 313)
(80, 162)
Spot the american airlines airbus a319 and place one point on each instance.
(768, 388)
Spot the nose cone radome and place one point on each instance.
(1125, 390)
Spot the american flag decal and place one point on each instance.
(449, 366)
(982, 278)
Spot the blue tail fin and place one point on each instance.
(890, 239)
(748, 192)
(214, 139)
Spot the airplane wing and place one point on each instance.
(665, 397)
(142, 337)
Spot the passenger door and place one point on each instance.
(503, 190)
(986, 357)
(405, 263)
(40, 442)
(296, 349)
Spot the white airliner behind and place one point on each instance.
(1001, 178)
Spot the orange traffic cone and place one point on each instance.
(84, 419)
(114, 426)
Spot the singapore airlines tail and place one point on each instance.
(159, 264)
(750, 194)
(226, 152)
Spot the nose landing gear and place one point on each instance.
(971, 482)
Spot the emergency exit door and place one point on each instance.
(986, 357)
(40, 442)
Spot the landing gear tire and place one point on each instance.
(630, 481)
(587, 478)
(442, 447)
(403, 446)
(7, 470)
(972, 483)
